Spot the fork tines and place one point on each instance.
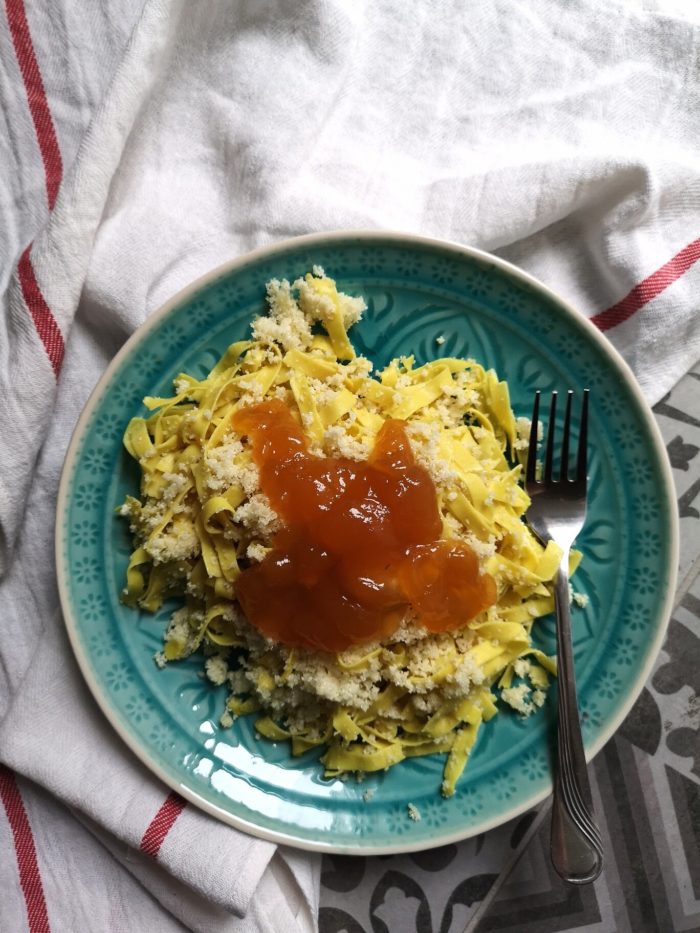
(547, 475)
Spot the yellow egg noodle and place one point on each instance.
(202, 517)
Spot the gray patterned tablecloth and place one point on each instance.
(646, 784)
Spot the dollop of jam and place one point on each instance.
(360, 545)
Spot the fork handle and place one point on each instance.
(576, 845)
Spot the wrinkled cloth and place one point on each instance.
(186, 134)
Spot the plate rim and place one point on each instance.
(137, 337)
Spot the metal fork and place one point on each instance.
(556, 513)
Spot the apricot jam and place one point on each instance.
(360, 544)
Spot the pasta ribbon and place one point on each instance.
(201, 519)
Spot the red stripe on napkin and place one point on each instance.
(649, 288)
(44, 321)
(36, 95)
(41, 314)
(161, 824)
(29, 876)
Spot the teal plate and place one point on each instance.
(416, 290)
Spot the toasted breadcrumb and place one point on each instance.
(518, 698)
(216, 669)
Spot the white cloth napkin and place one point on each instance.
(167, 137)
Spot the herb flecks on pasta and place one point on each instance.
(202, 518)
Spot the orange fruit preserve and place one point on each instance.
(360, 544)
